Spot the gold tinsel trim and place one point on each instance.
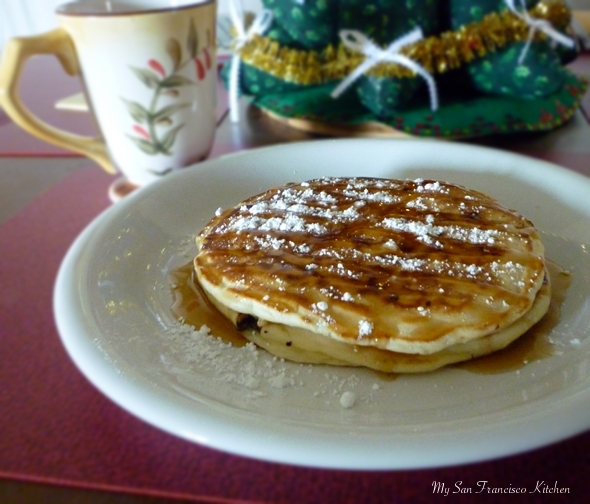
(437, 54)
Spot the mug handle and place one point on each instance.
(16, 52)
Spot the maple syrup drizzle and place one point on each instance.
(191, 306)
(534, 344)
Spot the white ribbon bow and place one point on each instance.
(359, 42)
(260, 24)
(534, 25)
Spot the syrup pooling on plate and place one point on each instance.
(461, 266)
(190, 305)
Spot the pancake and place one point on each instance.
(396, 275)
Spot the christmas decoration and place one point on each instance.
(450, 68)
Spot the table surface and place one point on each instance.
(61, 441)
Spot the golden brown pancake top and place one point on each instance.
(408, 265)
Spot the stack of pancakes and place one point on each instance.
(394, 275)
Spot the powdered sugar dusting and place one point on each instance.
(288, 223)
(332, 247)
(428, 231)
(239, 366)
(365, 328)
(347, 399)
(258, 372)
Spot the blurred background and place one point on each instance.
(28, 17)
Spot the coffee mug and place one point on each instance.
(148, 70)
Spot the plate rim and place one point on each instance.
(66, 281)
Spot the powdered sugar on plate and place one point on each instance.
(258, 372)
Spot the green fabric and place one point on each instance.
(384, 21)
(385, 96)
(491, 94)
(256, 82)
(469, 11)
(278, 33)
(310, 26)
(460, 116)
(540, 73)
(316, 23)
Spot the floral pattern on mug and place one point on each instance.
(148, 135)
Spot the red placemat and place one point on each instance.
(55, 427)
(43, 83)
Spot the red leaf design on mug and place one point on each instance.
(141, 131)
(207, 58)
(157, 67)
(200, 69)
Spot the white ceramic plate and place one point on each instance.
(112, 306)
